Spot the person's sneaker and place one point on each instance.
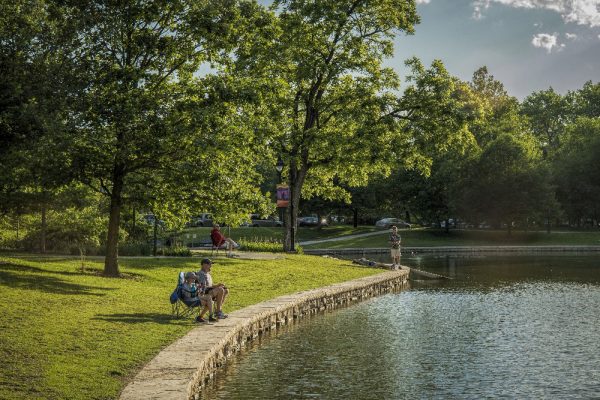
(200, 319)
(220, 315)
(212, 319)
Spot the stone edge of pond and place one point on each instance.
(181, 369)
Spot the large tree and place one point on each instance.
(548, 113)
(577, 170)
(32, 106)
(325, 61)
(145, 126)
(509, 183)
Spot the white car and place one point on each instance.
(387, 223)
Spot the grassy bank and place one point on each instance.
(266, 233)
(68, 334)
(434, 238)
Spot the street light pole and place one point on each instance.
(292, 215)
(279, 168)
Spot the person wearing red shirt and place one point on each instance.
(218, 240)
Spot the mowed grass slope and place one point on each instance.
(435, 238)
(272, 233)
(72, 335)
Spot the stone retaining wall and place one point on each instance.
(181, 369)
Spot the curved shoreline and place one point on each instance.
(182, 368)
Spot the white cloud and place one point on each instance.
(478, 7)
(546, 41)
(423, 1)
(571, 36)
(581, 12)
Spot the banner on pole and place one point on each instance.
(283, 196)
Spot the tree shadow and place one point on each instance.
(87, 272)
(142, 318)
(12, 276)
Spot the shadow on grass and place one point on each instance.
(10, 277)
(87, 272)
(142, 318)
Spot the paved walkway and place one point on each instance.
(339, 238)
(245, 255)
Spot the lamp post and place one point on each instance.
(279, 168)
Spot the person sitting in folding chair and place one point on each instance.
(193, 296)
(219, 240)
(217, 292)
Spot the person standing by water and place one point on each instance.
(395, 240)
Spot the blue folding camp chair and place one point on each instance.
(178, 308)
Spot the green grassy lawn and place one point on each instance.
(265, 233)
(67, 334)
(432, 238)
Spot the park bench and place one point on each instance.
(204, 244)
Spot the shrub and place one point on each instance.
(135, 249)
(175, 251)
(260, 244)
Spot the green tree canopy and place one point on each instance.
(508, 182)
(143, 127)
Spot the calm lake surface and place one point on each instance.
(504, 327)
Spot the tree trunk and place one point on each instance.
(155, 235)
(82, 257)
(43, 231)
(291, 216)
(111, 262)
(133, 225)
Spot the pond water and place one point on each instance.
(503, 327)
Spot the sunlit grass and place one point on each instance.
(73, 335)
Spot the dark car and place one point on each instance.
(257, 221)
(203, 219)
(387, 223)
(311, 221)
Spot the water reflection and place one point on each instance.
(512, 327)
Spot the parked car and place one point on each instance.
(257, 221)
(204, 219)
(149, 219)
(387, 223)
(337, 219)
(311, 220)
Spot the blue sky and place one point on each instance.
(528, 45)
